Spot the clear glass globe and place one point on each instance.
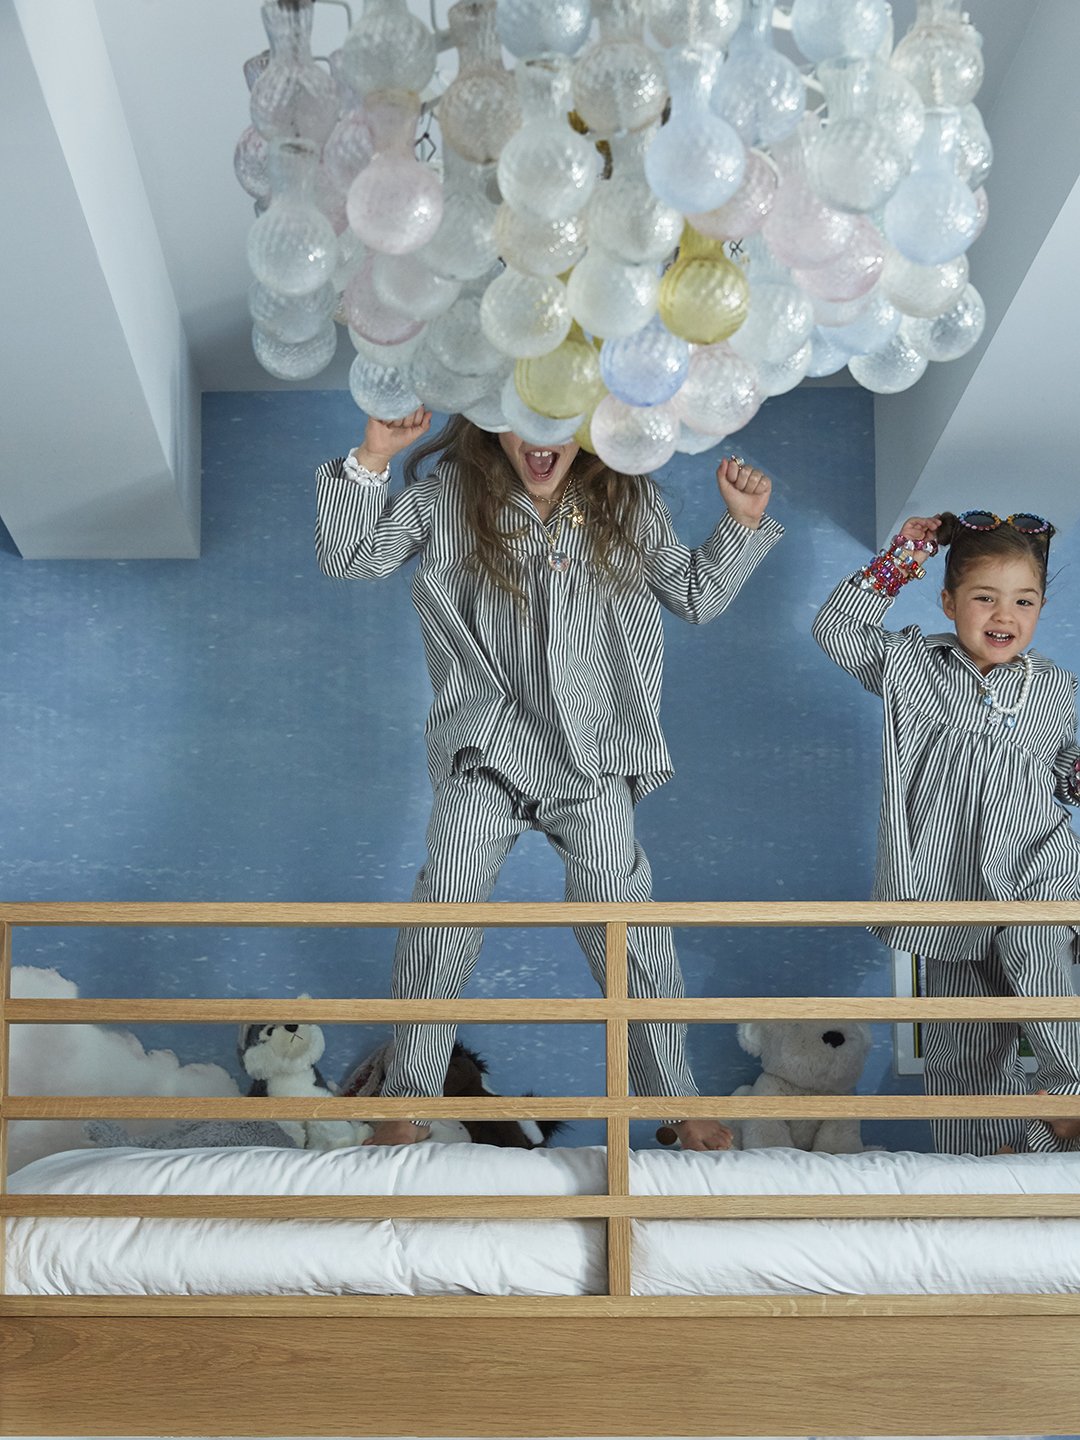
(759, 92)
(250, 164)
(894, 368)
(684, 22)
(634, 440)
(974, 150)
(748, 209)
(828, 313)
(610, 299)
(403, 283)
(534, 429)
(941, 54)
(487, 414)
(369, 316)
(388, 49)
(291, 318)
(293, 98)
(922, 290)
(458, 339)
(539, 247)
(538, 27)
(856, 164)
(777, 378)
(800, 229)
(720, 393)
(479, 110)
(547, 171)
(693, 443)
(826, 357)
(625, 217)
(443, 389)
(292, 248)
(696, 161)
(382, 391)
(951, 335)
(871, 331)
(395, 204)
(646, 368)
(387, 355)
(295, 362)
(778, 323)
(825, 29)
(618, 84)
(525, 315)
(350, 256)
(463, 247)
(983, 203)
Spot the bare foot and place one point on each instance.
(398, 1132)
(703, 1134)
(1063, 1129)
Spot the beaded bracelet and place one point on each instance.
(1074, 783)
(897, 564)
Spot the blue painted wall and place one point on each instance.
(241, 727)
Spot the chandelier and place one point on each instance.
(632, 238)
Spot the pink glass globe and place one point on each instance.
(395, 204)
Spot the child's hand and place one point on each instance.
(745, 490)
(918, 528)
(384, 438)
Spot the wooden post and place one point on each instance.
(618, 1127)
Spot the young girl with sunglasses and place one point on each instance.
(979, 748)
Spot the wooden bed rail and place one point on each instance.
(619, 1208)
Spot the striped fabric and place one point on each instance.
(569, 693)
(547, 720)
(970, 810)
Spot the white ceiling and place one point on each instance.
(155, 88)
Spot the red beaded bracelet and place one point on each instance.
(898, 563)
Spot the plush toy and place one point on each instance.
(282, 1062)
(192, 1135)
(800, 1057)
(464, 1076)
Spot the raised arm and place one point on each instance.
(848, 626)
(698, 584)
(360, 530)
(1067, 764)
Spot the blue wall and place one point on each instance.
(241, 727)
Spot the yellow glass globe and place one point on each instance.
(563, 382)
(704, 297)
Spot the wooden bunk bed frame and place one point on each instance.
(609, 1365)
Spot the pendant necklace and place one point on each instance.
(1008, 712)
(558, 559)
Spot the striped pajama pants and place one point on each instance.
(969, 1059)
(476, 818)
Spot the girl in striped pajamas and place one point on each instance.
(540, 579)
(979, 749)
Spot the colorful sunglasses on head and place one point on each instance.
(1023, 521)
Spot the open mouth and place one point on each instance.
(541, 464)
(999, 637)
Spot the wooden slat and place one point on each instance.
(460, 1307)
(618, 1127)
(541, 1207)
(541, 1107)
(719, 913)
(537, 1011)
(5, 1066)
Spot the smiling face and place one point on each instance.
(995, 608)
(541, 468)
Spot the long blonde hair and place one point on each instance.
(486, 479)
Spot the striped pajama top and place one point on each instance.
(970, 808)
(570, 690)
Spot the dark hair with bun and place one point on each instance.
(1003, 543)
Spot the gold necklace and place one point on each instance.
(558, 559)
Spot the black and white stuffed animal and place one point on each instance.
(281, 1060)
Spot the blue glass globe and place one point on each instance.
(645, 368)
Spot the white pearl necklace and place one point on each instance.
(1009, 712)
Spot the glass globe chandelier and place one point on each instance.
(647, 226)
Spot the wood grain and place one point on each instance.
(655, 1375)
(542, 1107)
(525, 913)
(725, 1011)
(542, 1207)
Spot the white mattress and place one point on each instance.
(537, 1257)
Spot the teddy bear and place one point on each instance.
(282, 1062)
(800, 1057)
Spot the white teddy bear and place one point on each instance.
(803, 1057)
(282, 1061)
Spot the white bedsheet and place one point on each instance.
(682, 1257)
